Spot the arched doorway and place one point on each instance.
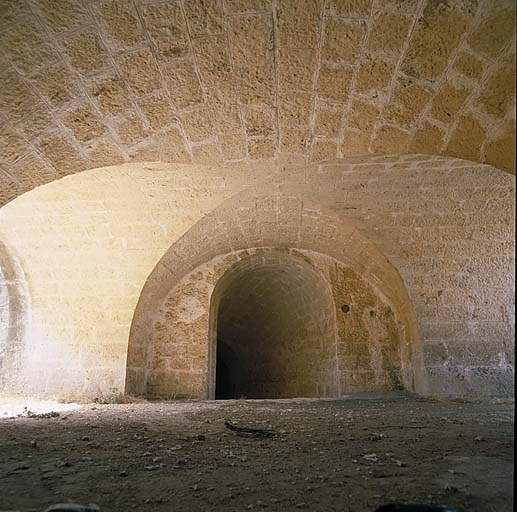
(272, 331)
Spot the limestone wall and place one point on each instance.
(278, 314)
(85, 84)
(87, 244)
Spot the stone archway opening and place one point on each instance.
(272, 331)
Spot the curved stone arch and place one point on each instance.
(14, 317)
(280, 218)
(287, 273)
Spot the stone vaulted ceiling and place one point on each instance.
(88, 83)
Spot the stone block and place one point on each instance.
(167, 29)
(12, 145)
(294, 140)
(466, 140)
(85, 51)
(26, 44)
(388, 32)
(374, 75)
(437, 33)
(427, 139)
(328, 123)
(390, 139)
(495, 30)
(296, 68)
(64, 156)
(500, 150)
(355, 143)
(406, 103)
(130, 129)
(63, 15)
(182, 82)
(120, 23)
(157, 110)
(348, 8)
(298, 23)
(498, 91)
(111, 94)
(261, 149)
(205, 17)
(56, 84)
(469, 65)
(16, 98)
(103, 153)
(197, 124)
(259, 122)
(323, 150)
(362, 116)
(294, 108)
(448, 101)
(84, 122)
(342, 39)
(140, 71)
(334, 82)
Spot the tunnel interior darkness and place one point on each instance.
(274, 330)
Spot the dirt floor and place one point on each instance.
(350, 454)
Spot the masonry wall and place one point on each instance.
(279, 313)
(86, 245)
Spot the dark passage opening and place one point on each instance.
(275, 330)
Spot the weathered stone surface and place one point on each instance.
(63, 155)
(390, 139)
(130, 129)
(12, 144)
(342, 39)
(296, 68)
(388, 33)
(260, 149)
(140, 71)
(428, 139)
(259, 122)
(413, 66)
(63, 15)
(407, 103)
(182, 82)
(374, 75)
(111, 94)
(86, 52)
(448, 102)
(84, 123)
(197, 124)
(298, 23)
(56, 84)
(27, 45)
(500, 151)
(157, 111)
(438, 32)
(103, 153)
(16, 98)
(334, 82)
(328, 122)
(120, 22)
(167, 29)
(495, 30)
(362, 116)
(467, 139)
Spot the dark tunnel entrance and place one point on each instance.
(273, 330)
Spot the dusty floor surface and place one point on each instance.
(349, 455)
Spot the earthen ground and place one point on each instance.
(351, 454)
